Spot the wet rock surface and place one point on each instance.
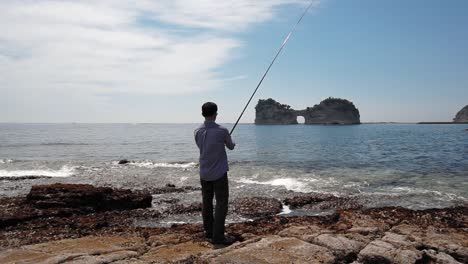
(298, 201)
(184, 209)
(257, 206)
(320, 201)
(171, 188)
(59, 201)
(124, 161)
(87, 197)
(21, 178)
(378, 235)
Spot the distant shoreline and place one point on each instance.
(442, 123)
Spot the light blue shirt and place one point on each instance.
(211, 139)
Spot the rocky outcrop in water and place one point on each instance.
(462, 115)
(270, 112)
(331, 111)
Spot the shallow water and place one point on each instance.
(415, 166)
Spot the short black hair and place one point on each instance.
(209, 109)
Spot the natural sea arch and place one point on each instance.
(300, 120)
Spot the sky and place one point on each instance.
(158, 61)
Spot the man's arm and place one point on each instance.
(228, 141)
(195, 135)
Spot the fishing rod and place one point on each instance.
(271, 64)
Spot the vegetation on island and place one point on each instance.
(338, 104)
(271, 103)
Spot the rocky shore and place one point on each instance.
(62, 224)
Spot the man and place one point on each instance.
(211, 139)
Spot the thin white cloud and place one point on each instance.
(230, 15)
(121, 46)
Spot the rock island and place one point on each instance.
(331, 111)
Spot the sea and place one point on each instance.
(409, 165)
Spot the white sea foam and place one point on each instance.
(285, 210)
(409, 190)
(65, 171)
(398, 191)
(3, 161)
(183, 179)
(173, 222)
(151, 165)
(288, 183)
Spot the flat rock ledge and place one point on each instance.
(380, 235)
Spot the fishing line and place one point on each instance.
(271, 64)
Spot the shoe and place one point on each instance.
(225, 242)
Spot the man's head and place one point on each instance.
(209, 110)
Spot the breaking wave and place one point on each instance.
(405, 191)
(4, 161)
(288, 183)
(63, 144)
(44, 144)
(65, 171)
(152, 165)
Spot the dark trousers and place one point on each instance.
(214, 225)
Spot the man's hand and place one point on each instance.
(229, 144)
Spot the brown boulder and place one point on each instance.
(87, 197)
(65, 200)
